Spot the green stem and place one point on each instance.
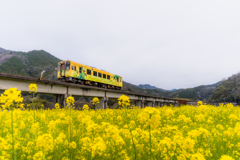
(70, 128)
(12, 133)
(134, 146)
(150, 140)
(33, 106)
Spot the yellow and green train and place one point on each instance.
(69, 71)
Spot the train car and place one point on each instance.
(69, 71)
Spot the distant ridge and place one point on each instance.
(148, 86)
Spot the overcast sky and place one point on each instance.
(168, 44)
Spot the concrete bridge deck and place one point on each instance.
(61, 90)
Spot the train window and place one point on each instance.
(63, 67)
(108, 77)
(120, 79)
(94, 73)
(67, 65)
(75, 68)
(80, 69)
(89, 71)
(59, 67)
(72, 67)
(104, 76)
(117, 79)
(100, 75)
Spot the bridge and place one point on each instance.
(61, 90)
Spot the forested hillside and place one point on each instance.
(28, 64)
(197, 93)
(228, 90)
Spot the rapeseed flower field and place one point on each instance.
(178, 133)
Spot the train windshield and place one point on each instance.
(59, 67)
(68, 66)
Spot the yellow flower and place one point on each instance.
(38, 156)
(57, 106)
(85, 107)
(197, 156)
(11, 97)
(225, 157)
(70, 102)
(73, 145)
(33, 88)
(123, 101)
(45, 142)
(200, 103)
(95, 101)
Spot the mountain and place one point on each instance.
(228, 90)
(2, 50)
(133, 88)
(147, 86)
(34, 62)
(28, 63)
(196, 93)
(202, 92)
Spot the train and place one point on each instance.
(72, 72)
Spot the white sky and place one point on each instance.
(168, 44)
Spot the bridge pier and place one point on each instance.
(153, 104)
(149, 103)
(143, 106)
(157, 103)
(103, 102)
(176, 104)
(138, 103)
(58, 98)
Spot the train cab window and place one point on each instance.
(89, 72)
(80, 69)
(94, 73)
(100, 75)
(59, 67)
(104, 76)
(67, 65)
(108, 77)
(117, 79)
(63, 67)
(72, 67)
(120, 79)
(75, 68)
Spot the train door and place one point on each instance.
(63, 70)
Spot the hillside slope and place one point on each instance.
(202, 92)
(28, 64)
(148, 86)
(228, 90)
(133, 88)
